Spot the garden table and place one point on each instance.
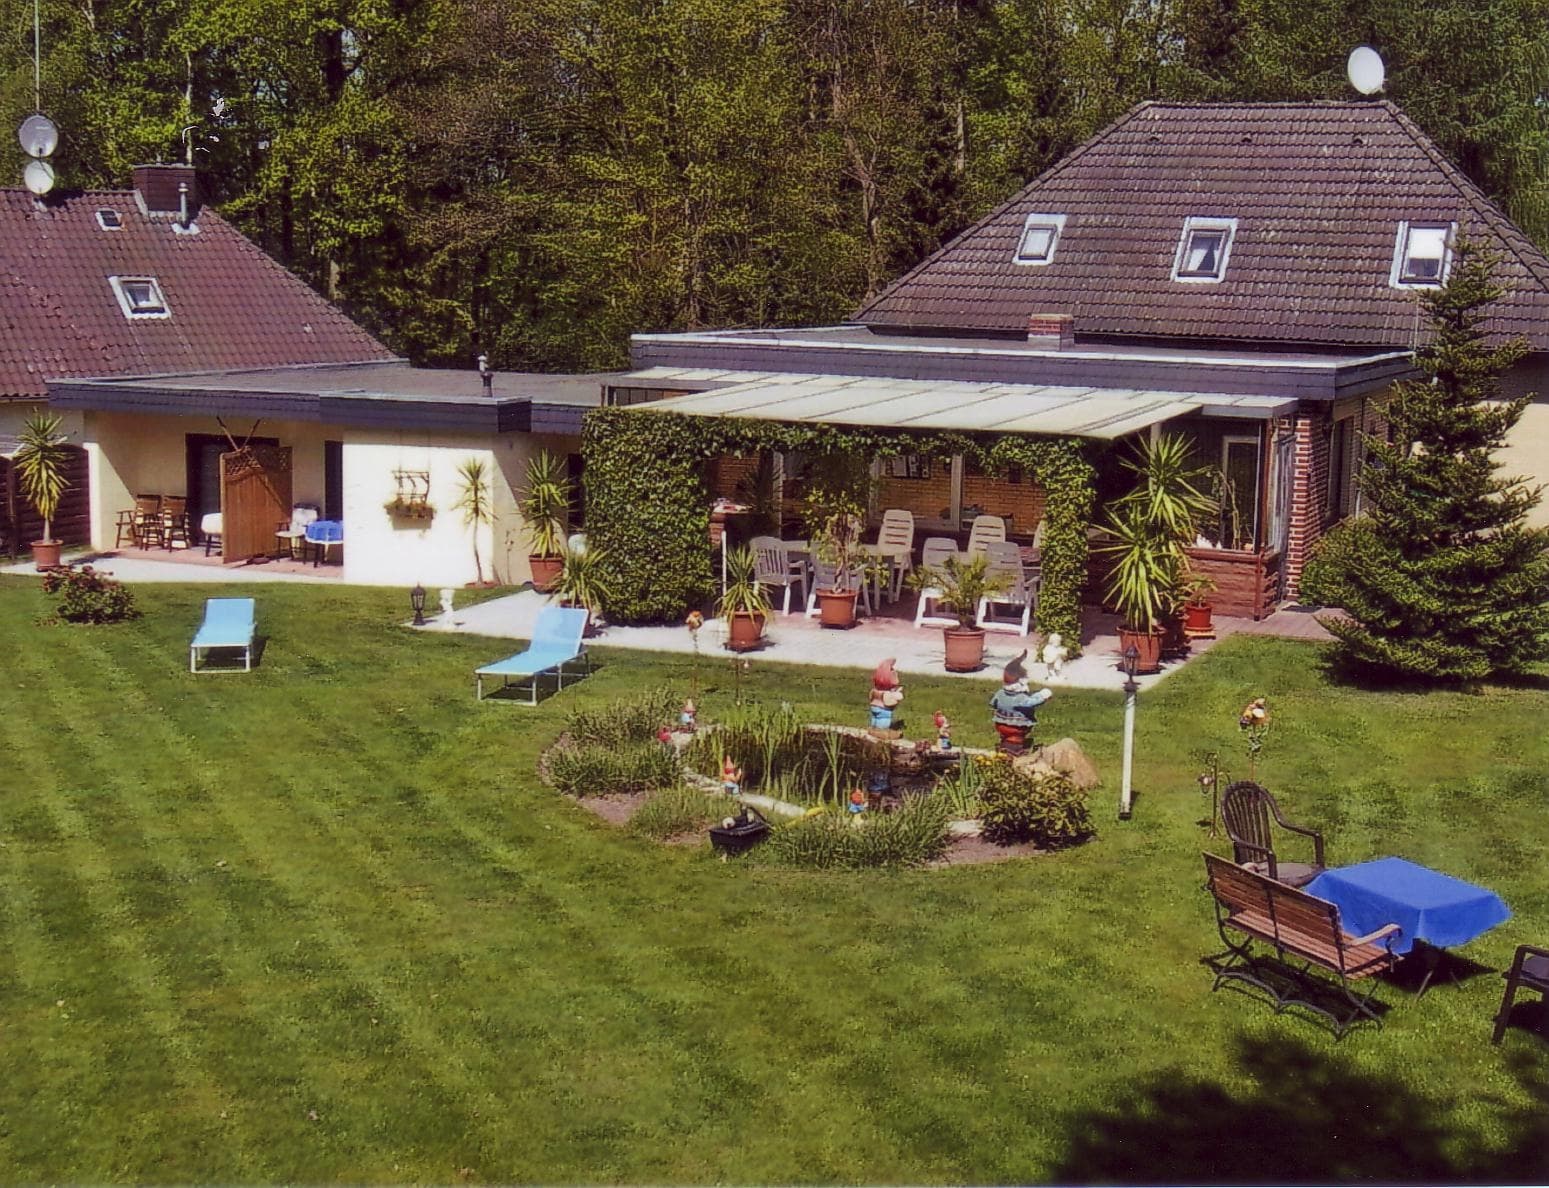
(1427, 905)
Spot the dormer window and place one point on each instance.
(1421, 255)
(139, 296)
(110, 220)
(1203, 249)
(1040, 236)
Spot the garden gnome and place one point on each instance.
(886, 693)
(943, 731)
(664, 736)
(1054, 654)
(731, 777)
(857, 804)
(686, 715)
(1014, 704)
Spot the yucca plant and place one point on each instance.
(544, 503)
(474, 501)
(42, 464)
(583, 579)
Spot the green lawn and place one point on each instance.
(321, 922)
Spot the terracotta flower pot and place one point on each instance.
(837, 607)
(1197, 620)
(545, 572)
(45, 554)
(965, 648)
(1147, 643)
(747, 631)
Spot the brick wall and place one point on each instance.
(1020, 502)
(1309, 495)
(927, 497)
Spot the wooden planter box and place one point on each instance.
(1246, 582)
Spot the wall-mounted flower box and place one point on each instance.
(411, 496)
(406, 509)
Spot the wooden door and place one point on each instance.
(255, 500)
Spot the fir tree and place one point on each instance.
(1443, 579)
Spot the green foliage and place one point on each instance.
(1445, 581)
(674, 810)
(596, 769)
(86, 596)
(473, 500)
(635, 718)
(1047, 810)
(583, 579)
(42, 462)
(912, 835)
(544, 503)
(961, 584)
(960, 787)
(743, 592)
(763, 742)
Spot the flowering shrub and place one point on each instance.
(86, 596)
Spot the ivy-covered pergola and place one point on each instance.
(648, 510)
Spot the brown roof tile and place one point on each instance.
(231, 305)
(1317, 189)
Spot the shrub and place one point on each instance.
(1343, 550)
(960, 789)
(915, 833)
(627, 720)
(673, 810)
(86, 596)
(1047, 810)
(591, 769)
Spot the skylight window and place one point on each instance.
(1040, 236)
(110, 220)
(1203, 249)
(1421, 255)
(139, 297)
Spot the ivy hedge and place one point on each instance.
(648, 510)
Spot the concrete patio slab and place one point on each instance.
(138, 569)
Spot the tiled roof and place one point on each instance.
(231, 305)
(1318, 191)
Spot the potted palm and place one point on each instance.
(473, 500)
(583, 581)
(743, 604)
(960, 585)
(42, 462)
(544, 503)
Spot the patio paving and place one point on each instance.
(186, 565)
(795, 639)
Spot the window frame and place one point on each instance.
(1254, 441)
(1397, 277)
(1054, 223)
(103, 213)
(133, 310)
(1192, 225)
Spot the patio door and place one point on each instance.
(255, 500)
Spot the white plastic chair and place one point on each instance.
(986, 530)
(774, 566)
(1020, 592)
(935, 551)
(823, 578)
(895, 541)
(295, 531)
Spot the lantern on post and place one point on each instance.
(1131, 657)
(417, 601)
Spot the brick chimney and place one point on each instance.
(1051, 331)
(157, 188)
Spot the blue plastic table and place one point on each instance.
(1429, 906)
(323, 535)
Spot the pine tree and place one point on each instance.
(1443, 579)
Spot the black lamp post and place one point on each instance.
(1131, 657)
(417, 601)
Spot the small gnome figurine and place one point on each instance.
(857, 806)
(1014, 704)
(731, 777)
(886, 693)
(686, 715)
(943, 731)
(1054, 655)
(664, 736)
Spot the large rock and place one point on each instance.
(1065, 757)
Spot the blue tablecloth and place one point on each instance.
(325, 532)
(1426, 904)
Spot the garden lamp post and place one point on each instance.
(417, 601)
(1131, 657)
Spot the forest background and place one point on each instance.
(536, 179)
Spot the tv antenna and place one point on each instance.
(38, 135)
(1365, 70)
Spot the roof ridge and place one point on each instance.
(1507, 231)
(1052, 171)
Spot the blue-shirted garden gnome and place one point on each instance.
(1014, 704)
(886, 692)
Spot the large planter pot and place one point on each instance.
(1147, 643)
(45, 554)
(1197, 623)
(545, 572)
(746, 631)
(837, 607)
(965, 648)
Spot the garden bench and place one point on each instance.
(1300, 928)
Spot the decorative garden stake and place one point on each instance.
(694, 622)
(1210, 784)
(741, 666)
(943, 731)
(886, 692)
(1254, 722)
(1014, 704)
(1126, 795)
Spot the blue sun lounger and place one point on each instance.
(556, 642)
(228, 623)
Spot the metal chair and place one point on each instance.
(985, 531)
(774, 566)
(1246, 809)
(1529, 971)
(1005, 560)
(933, 554)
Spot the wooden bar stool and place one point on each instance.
(127, 529)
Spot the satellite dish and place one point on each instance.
(38, 135)
(39, 177)
(1365, 70)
